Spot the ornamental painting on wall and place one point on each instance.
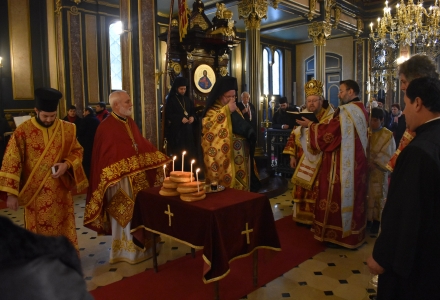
(204, 78)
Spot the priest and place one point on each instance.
(179, 122)
(123, 163)
(42, 164)
(406, 252)
(340, 212)
(306, 162)
(228, 141)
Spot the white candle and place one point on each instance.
(174, 158)
(193, 161)
(164, 172)
(183, 155)
(197, 177)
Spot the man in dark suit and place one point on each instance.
(248, 110)
(281, 119)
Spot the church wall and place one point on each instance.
(29, 63)
(341, 46)
(68, 51)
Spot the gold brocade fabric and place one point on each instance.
(226, 155)
(121, 208)
(382, 147)
(26, 172)
(305, 198)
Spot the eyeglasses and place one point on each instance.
(312, 101)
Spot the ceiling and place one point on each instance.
(286, 24)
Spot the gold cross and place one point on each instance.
(247, 231)
(168, 212)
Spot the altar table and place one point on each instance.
(226, 225)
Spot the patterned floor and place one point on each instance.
(332, 274)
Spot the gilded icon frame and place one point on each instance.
(199, 73)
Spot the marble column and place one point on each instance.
(252, 11)
(60, 56)
(147, 71)
(319, 32)
(75, 35)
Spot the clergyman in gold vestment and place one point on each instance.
(42, 164)
(228, 140)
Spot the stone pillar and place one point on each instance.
(252, 11)
(319, 32)
(147, 62)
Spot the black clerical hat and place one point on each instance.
(46, 99)
(180, 81)
(221, 86)
(283, 100)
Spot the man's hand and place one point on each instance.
(191, 119)
(61, 169)
(374, 267)
(232, 106)
(293, 162)
(184, 120)
(12, 202)
(304, 122)
(284, 126)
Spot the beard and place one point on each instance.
(125, 112)
(44, 124)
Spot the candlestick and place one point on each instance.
(197, 177)
(164, 172)
(193, 161)
(174, 158)
(183, 156)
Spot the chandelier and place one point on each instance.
(411, 24)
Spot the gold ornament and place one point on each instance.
(314, 87)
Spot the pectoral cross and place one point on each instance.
(247, 231)
(170, 214)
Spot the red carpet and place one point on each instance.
(182, 278)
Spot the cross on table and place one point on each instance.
(170, 214)
(247, 231)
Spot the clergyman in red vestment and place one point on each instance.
(123, 163)
(306, 163)
(340, 210)
(36, 147)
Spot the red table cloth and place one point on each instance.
(226, 225)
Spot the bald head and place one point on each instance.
(120, 103)
(245, 97)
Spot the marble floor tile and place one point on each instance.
(334, 274)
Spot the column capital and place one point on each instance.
(319, 32)
(252, 11)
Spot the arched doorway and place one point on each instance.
(333, 75)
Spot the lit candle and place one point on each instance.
(193, 161)
(197, 177)
(183, 156)
(164, 172)
(174, 158)
(371, 26)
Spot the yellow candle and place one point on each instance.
(191, 177)
(164, 172)
(174, 158)
(183, 156)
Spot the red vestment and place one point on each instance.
(328, 220)
(26, 173)
(114, 157)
